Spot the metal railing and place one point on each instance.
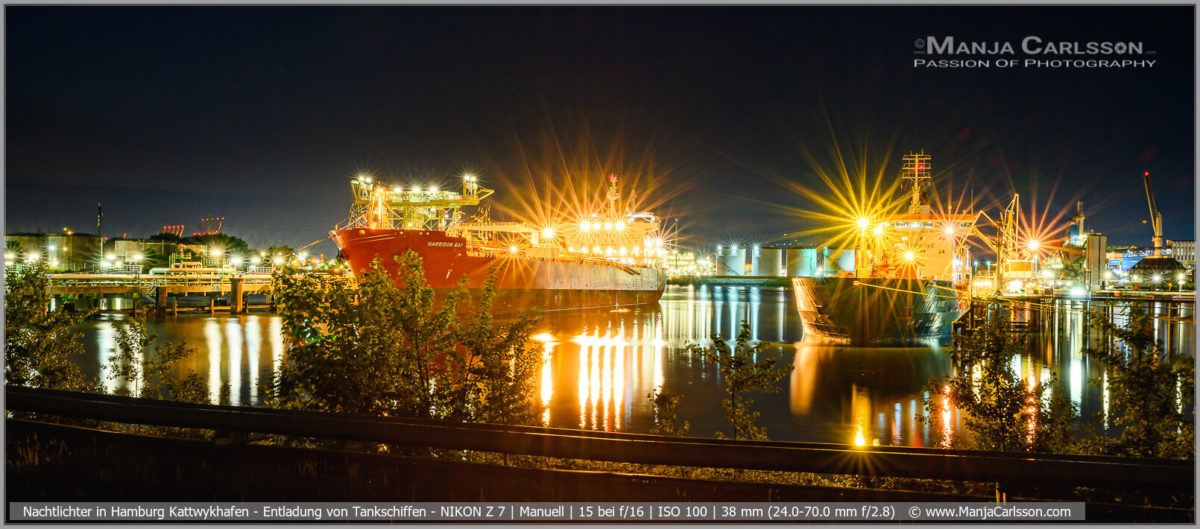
(825, 458)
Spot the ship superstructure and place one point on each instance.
(910, 267)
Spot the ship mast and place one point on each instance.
(915, 168)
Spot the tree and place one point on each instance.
(390, 348)
(666, 417)
(228, 244)
(39, 345)
(743, 372)
(1000, 411)
(1150, 393)
(152, 369)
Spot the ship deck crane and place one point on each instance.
(1155, 216)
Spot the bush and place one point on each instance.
(1000, 411)
(743, 374)
(39, 344)
(383, 349)
(1150, 393)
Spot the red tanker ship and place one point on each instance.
(603, 260)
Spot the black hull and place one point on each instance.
(869, 312)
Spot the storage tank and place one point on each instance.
(801, 262)
(769, 262)
(731, 261)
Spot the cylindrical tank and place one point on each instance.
(769, 262)
(731, 261)
(801, 262)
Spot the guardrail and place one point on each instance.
(1006, 468)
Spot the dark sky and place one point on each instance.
(260, 114)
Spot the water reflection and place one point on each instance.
(600, 365)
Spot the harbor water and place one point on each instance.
(601, 364)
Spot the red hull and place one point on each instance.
(523, 283)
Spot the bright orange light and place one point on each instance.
(863, 222)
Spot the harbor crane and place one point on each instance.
(1155, 216)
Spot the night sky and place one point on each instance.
(261, 114)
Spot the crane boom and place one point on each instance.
(1155, 216)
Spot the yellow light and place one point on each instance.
(863, 222)
(909, 256)
(215, 251)
(237, 261)
(277, 260)
(950, 230)
(879, 230)
(859, 440)
(585, 226)
(608, 225)
(548, 233)
(620, 226)
(255, 260)
(32, 256)
(137, 257)
(1034, 244)
(433, 189)
(596, 249)
(512, 249)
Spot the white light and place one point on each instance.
(9, 256)
(1077, 292)
(32, 256)
(417, 189)
(217, 252)
(1179, 277)
(620, 226)
(863, 222)
(608, 225)
(303, 255)
(1034, 244)
(585, 226)
(950, 230)
(53, 247)
(596, 249)
(397, 189)
(879, 229)
(111, 257)
(548, 233)
(909, 256)
(137, 257)
(277, 260)
(255, 260)
(1155, 278)
(237, 261)
(366, 179)
(512, 249)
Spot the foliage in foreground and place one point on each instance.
(1150, 394)
(39, 344)
(1000, 411)
(383, 349)
(152, 369)
(666, 415)
(743, 372)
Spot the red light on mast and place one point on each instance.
(1147, 173)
